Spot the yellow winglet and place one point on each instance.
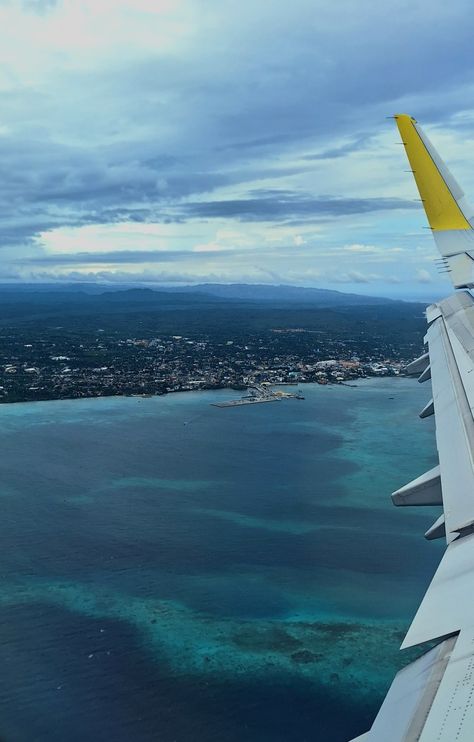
(439, 191)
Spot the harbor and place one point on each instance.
(258, 394)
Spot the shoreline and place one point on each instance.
(330, 385)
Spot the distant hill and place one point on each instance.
(241, 292)
(216, 311)
(281, 293)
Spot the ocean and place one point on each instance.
(175, 572)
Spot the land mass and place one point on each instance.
(67, 342)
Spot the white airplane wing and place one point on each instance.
(432, 699)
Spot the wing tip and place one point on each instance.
(405, 117)
(442, 197)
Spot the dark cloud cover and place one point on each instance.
(183, 127)
(342, 150)
(294, 207)
(113, 257)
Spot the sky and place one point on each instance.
(186, 141)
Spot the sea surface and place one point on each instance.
(175, 572)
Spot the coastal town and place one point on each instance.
(52, 364)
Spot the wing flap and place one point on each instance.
(447, 606)
(424, 490)
(427, 410)
(453, 387)
(411, 696)
(418, 365)
(437, 530)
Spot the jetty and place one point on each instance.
(257, 395)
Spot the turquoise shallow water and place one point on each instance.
(173, 571)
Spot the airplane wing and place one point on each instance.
(432, 699)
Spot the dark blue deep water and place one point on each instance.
(175, 572)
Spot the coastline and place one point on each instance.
(329, 384)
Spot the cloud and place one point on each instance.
(152, 276)
(341, 150)
(368, 249)
(108, 258)
(298, 240)
(192, 118)
(296, 207)
(424, 276)
(359, 277)
(381, 252)
(209, 247)
(39, 6)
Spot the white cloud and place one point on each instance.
(208, 247)
(424, 276)
(371, 249)
(298, 240)
(120, 112)
(110, 238)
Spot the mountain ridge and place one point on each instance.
(240, 292)
(280, 292)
